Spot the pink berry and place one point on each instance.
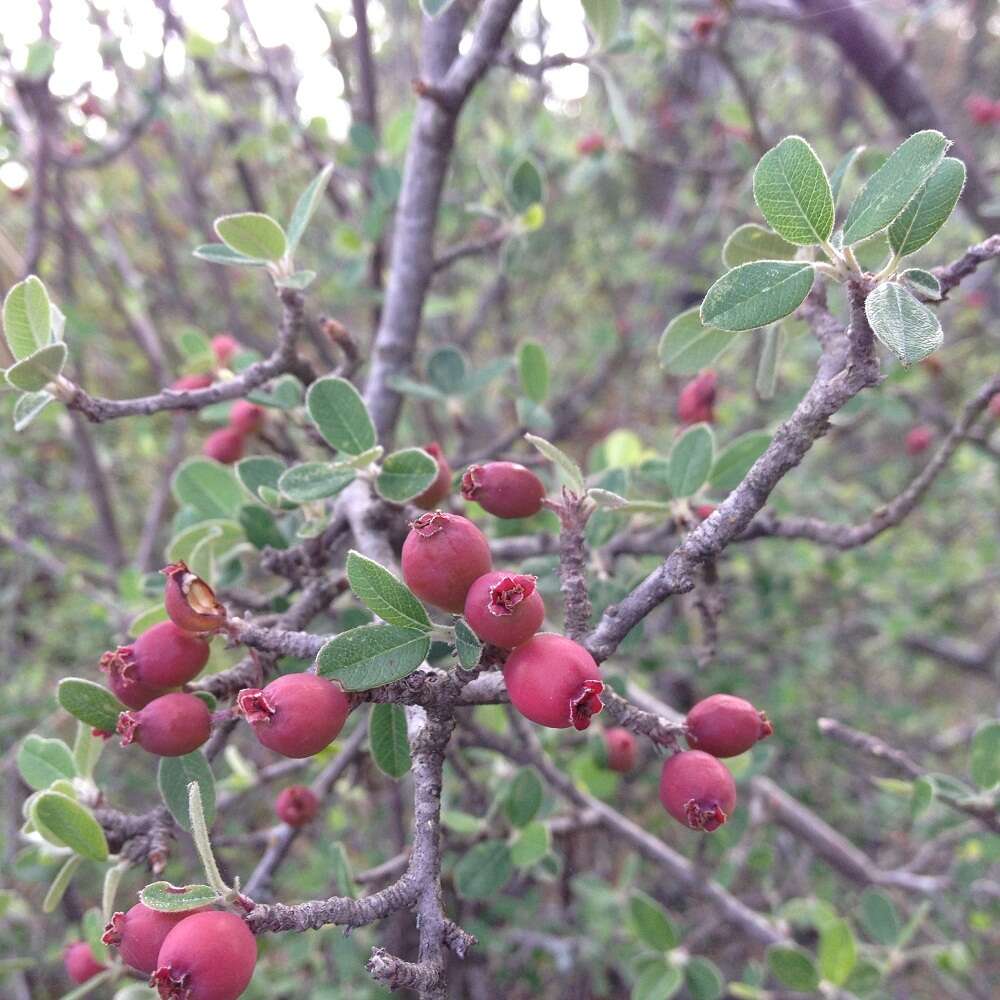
(981, 109)
(190, 601)
(163, 657)
(296, 805)
(504, 608)
(224, 346)
(505, 489)
(246, 417)
(697, 790)
(918, 439)
(442, 556)
(187, 382)
(224, 445)
(80, 962)
(554, 681)
(124, 682)
(704, 511)
(591, 144)
(441, 487)
(696, 402)
(139, 934)
(296, 715)
(169, 726)
(726, 726)
(622, 749)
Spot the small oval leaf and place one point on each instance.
(756, 294)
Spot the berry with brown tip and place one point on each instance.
(224, 445)
(190, 601)
(246, 417)
(697, 789)
(622, 749)
(163, 657)
(188, 382)
(918, 439)
(80, 962)
(296, 715)
(505, 489)
(169, 726)
(504, 608)
(696, 403)
(554, 681)
(296, 805)
(139, 934)
(726, 726)
(441, 487)
(207, 956)
(224, 346)
(442, 557)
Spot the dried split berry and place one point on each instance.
(919, 439)
(441, 487)
(170, 726)
(187, 382)
(505, 489)
(442, 556)
(163, 657)
(697, 790)
(224, 445)
(139, 934)
(554, 681)
(725, 726)
(504, 608)
(224, 346)
(246, 417)
(622, 749)
(296, 715)
(190, 602)
(207, 956)
(80, 962)
(296, 805)
(696, 402)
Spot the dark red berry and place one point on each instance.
(703, 26)
(296, 805)
(190, 602)
(207, 956)
(224, 445)
(696, 402)
(169, 726)
(224, 346)
(591, 144)
(246, 417)
(442, 556)
(123, 680)
(504, 608)
(725, 726)
(982, 110)
(187, 382)
(554, 681)
(80, 962)
(697, 790)
(441, 487)
(163, 657)
(919, 439)
(139, 934)
(622, 749)
(505, 489)
(704, 511)
(933, 365)
(296, 715)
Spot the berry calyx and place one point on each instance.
(207, 956)
(190, 602)
(188, 382)
(696, 403)
(441, 487)
(622, 749)
(296, 715)
(224, 346)
(296, 805)
(554, 682)
(224, 445)
(918, 439)
(246, 417)
(80, 963)
(726, 726)
(698, 790)
(139, 934)
(442, 557)
(122, 679)
(169, 726)
(504, 489)
(504, 608)
(163, 657)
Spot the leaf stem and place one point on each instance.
(199, 832)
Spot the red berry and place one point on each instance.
(187, 382)
(705, 510)
(591, 144)
(224, 445)
(296, 715)
(919, 439)
(697, 790)
(80, 962)
(163, 657)
(977, 299)
(622, 749)
(725, 726)
(246, 417)
(554, 681)
(505, 489)
(697, 399)
(91, 106)
(190, 602)
(442, 556)
(504, 609)
(207, 956)
(224, 346)
(933, 365)
(441, 487)
(123, 680)
(981, 109)
(139, 934)
(296, 805)
(169, 726)
(703, 26)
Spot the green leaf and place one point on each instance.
(43, 761)
(168, 898)
(603, 16)
(387, 737)
(690, 461)
(61, 883)
(405, 474)
(87, 749)
(383, 594)
(28, 407)
(792, 191)
(306, 206)
(409, 387)
(837, 951)
(879, 917)
(340, 414)
(890, 188)
(468, 648)
(36, 371)
(607, 499)
(570, 470)
(73, 824)
(252, 234)
(90, 702)
(27, 317)
(372, 655)
(219, 253)
(793, 968)
(922, 281)
(751, 242)
(299, 280)
(929, 209)
(770, 356)
(922, 796)
(985, 759)
(756, 294)
(657, 981)
(261, 528)
(210, 488)
(174, 776)
(650, 923)
(217, 537)
(285, 394)
(907, 327)
(41, 57)
(523, 798)
(703, 979)
(687, 345)
(315, 481)
(446, 370)
(533, 367)
(531, 845)
(525, 186)
(483, 870)
(840, 170)
(366, 458)
(260, 470)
